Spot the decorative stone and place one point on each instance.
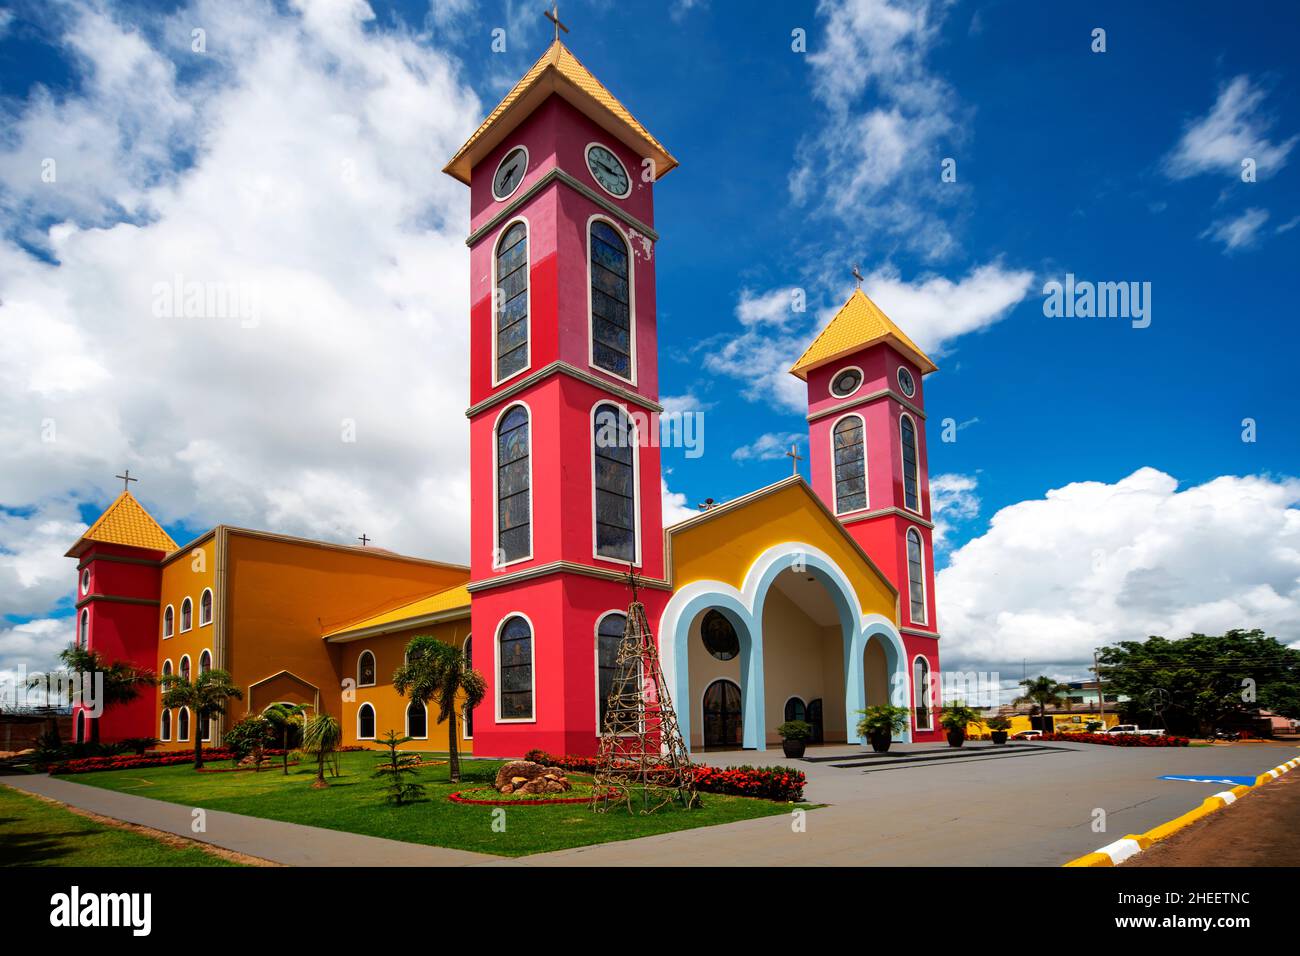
(525, 776)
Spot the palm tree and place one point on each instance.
(206, 696)
(438, 672)
(1043, 692)
(122, 681)
(282, 717)
(321, 737)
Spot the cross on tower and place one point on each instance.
(795, 458)
(553, 15)
(857, 275)
(363, 539)
(126, 480)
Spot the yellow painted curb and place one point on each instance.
(1116, 853)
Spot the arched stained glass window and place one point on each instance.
(921, 691)
(850, 465)
(609, 635)
(514, 501)
(515, 674)
(366, 722)
(911, 487)
(205, 607)
(915, 576)
(512, 301)
(614, 448)
(366, 669)
(611, 301)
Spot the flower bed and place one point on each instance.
(781, 784)
(1120, 740)
(524, 800)
(169, 759)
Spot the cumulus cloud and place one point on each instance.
(292, 167)
(1236, 128)
(674, 504)
(1237, 232)
(771, 446)
(953, 499)
(1093, 563)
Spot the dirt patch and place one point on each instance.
(163, 837)
(1260, 829)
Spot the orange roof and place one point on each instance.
(125, 522)
(443, 604)
(859, 323)
(558, 71)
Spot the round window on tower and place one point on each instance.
(846, 382)
(85, 582)
(719, 636)
(906, 382)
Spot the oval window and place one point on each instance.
(846, 382)
(719, 636)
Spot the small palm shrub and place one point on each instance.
(397, 768)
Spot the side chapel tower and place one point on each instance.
(562, 352)
(867, 452)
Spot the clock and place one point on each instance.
(906, 382)
(846, 382)
(510, 173)
(608, 170)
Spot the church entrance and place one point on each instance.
(722, 720)
(815, 720)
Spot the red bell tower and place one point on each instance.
(867, 451)
(564, 456)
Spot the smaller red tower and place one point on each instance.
(867, 451)
(119, 589)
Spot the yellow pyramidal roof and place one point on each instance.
(125, 522)
(858, 324)
(559, 71)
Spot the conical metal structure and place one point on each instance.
(642, 762)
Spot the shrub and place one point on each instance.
(795, 730)
(766, 783)
(1120, 740)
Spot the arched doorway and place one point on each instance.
(723, 726)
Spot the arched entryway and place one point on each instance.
(723, 722)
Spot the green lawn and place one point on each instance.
(36, 833)
(354, 802)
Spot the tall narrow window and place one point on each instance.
(915, 576)
(511, 299)
(185, 668)
(611, 301)
(205, 662)
(850, 465)
(417, 720)
(83, 629)
(911, 493)
(187, 615)
(514, 507)
(167, 668)
(515, 665)
(921, 691)
(165, 728)
(205, 607)
(609, 635)
(169, 621)
(183, 724)
(366, 669)
(614, 450)
(468, 726)
(365, 722)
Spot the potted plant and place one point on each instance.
(955, 719)
(998, 726)
(794, 737)
(879, 724)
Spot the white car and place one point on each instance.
(1132, 729)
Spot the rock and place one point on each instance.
(525, 776)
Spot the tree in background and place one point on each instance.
(321, 737)
(395, 768)
(438, 672)
(123, 682)
(1042, 692)
(206, 696)
(282, 718)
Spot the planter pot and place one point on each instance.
(880, 743)
(956, 738)
(999, 736)
(794, 748)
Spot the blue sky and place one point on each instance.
(1112, 457)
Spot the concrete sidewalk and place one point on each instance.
(291, 844)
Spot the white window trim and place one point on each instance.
(492, 183)
(375, 719)
(636, 484)
(866, 474)
(496, 668)
(188, 728)
(924, 620)
(85, 581)
(528, 268)
(902, 462)
(211, 608)
(704, 693)
(180, 670)
(631, 305)
(190, 602)
(364, 652)
(83, 628)
(463, 726)
(929, 700)
(862, 380)
(496, 498)
(169, 627)
(207, 651)
(168, 670)
(586, 161)
(406, 719)
(165, 726)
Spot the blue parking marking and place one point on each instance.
(1193, 778)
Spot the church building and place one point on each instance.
(801, 600)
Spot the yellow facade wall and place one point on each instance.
(189, 572)
(389, 706)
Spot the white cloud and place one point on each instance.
(774, 308)
(33, 646)
(1235, 128)
(953, 499)
(6, 21)
(1237, 232)
(1093, 563)
(674, 504)
(879, 162)
(771, 446)
(298, 158)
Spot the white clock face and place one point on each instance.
(608, 170)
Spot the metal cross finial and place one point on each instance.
(795, 458)
(553, 15)
(857, 275)
(363, 539)
(126, 480)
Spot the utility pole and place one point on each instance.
(1101, 698)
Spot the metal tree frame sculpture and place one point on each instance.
(642, 762)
